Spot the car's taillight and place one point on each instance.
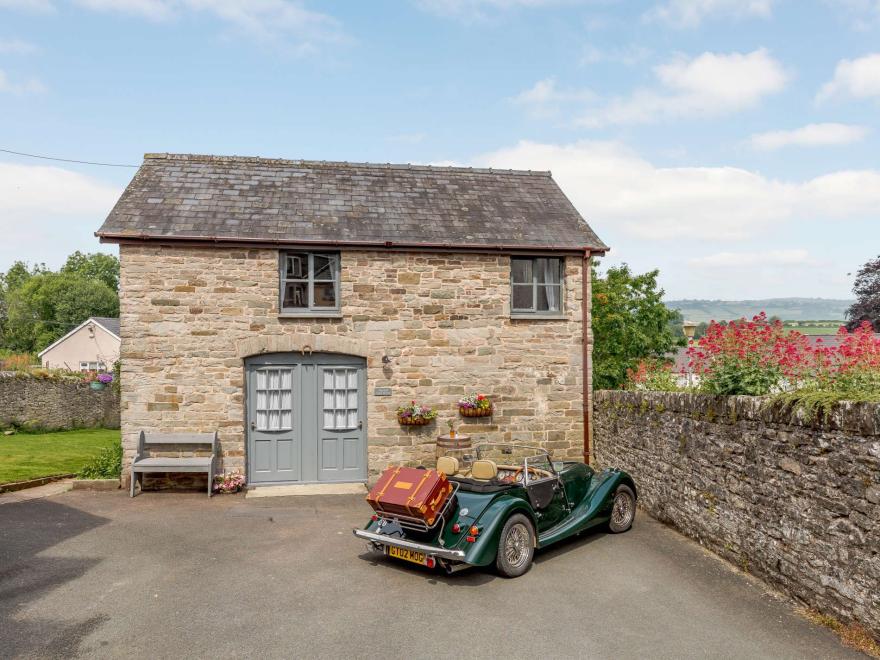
(430, 563)
(456, 528)
(471, 539)
(374, 517)
(475, 531)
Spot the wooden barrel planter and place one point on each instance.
(475, 412)
(456, 446)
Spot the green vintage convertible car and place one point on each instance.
(507, 501)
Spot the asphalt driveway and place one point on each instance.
(178, 575)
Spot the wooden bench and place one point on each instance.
(143, 464)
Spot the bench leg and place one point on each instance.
(133, 480)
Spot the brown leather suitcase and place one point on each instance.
(412, 492)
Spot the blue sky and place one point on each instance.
(731, 143)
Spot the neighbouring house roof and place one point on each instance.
(259, 200)
(110, 325)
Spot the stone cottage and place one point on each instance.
(294, 305)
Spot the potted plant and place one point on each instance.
(229, 483)
(451, 426)
(475, 405)
(99, 381)
(415, 414)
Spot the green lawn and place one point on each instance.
(29, 456)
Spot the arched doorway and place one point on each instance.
(306, 418)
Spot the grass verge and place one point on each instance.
(31, 455)
(852, 635)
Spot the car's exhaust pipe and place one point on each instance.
(452, 567)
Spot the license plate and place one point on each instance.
(408, 555)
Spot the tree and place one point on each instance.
(630, 323)
(12, 280)
(48, 305)
(867, 290)
(94, 266)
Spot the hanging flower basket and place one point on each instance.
(97, 385)
(476, 405)
(415, 414)
(475, 412)
(413, 421)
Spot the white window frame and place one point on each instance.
(86, 366)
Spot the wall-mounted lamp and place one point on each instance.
(386, 359)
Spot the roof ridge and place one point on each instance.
(208, 158)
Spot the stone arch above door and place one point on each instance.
(297, 342)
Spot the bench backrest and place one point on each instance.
(177, 439)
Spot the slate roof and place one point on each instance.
(219, 198)
(111, 324)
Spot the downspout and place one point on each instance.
(586, 332)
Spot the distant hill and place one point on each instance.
(788, 309)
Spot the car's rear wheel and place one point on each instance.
(623, 509)
(516, 546)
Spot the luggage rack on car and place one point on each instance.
(416, 524)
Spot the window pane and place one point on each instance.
(521, 271)
(297, 266)
(296, 294)
(325, 267)
(522, 296)
(549, 298)
(547, 270)
(325, 294)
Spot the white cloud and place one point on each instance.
(862, 14)
(858, 78)
(29, 86)
(152, 9)
(545, 98)
(811, 135)
(691, 13)
(17, 47)
(474, 10)
(273, 21)
(36, 6)
(612, 185)
(710, 84)
(54, 208)
(726, 260)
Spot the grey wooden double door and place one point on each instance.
(306, 418)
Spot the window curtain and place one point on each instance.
(551, 277)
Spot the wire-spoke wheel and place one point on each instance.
(516, 546)
(623, 510)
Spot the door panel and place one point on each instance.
(306, 418)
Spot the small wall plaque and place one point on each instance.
(382, 391)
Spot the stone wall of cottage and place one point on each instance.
(793, 500)
(191, 315)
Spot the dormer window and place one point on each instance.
(309, 283)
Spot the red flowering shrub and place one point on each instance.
(651, 375)
(759, 356)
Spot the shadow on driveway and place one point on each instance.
(28, 529)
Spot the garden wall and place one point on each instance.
(43, 403)
(793, 501)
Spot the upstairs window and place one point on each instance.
(536, 286)
(309, 282)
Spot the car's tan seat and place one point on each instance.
(484, 470)
(448, 465)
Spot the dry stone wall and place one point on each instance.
(190, 316)
(47, 404)
(794, 501)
